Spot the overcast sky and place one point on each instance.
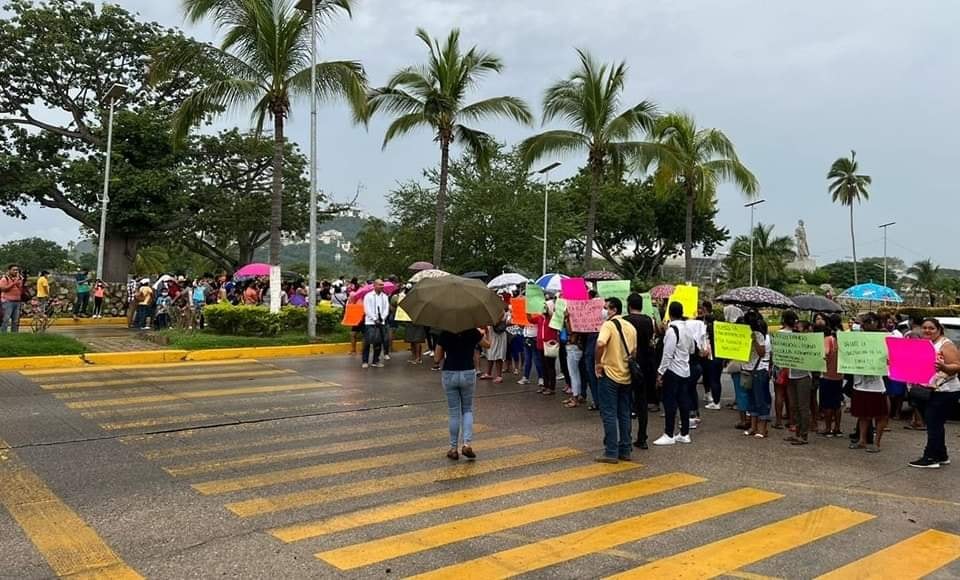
(793, 84)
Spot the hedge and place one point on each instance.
(259, 321)
(920, 311)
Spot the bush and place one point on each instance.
(258, 321)
(922, 312)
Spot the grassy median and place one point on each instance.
(30, 344)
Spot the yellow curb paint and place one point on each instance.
(915, 557)
(262, 352)
(109, 369)
(323, 431)
(23, 363)
(136, 357)
(421, 505)
(205, 394)
(556, 550)
(717, 558)
(326, 469)
(69, 545)
(367, 553)
(318, 451)
(331, 493)
(164, 379)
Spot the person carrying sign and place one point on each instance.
(616, 347)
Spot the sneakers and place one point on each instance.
(712, 406)
(386, 357)
(944, 462)
(665, 440)
(377, 365)
(605, 459)
(694, 422)
(561, 377)
(523, 381)
(540, 382)
(925, 463)
(683, 439)
(364, 366)
(428, 353)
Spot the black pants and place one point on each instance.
(97, 306)
(81, 304)
(937, 410)
(676, 394)
(640, 408)
(549, 372)
(712, 374)
(563, 360)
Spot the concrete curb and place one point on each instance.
(173, 356)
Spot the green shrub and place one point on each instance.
(293, 318)
(920, 311)
(258, 321)
(328, 319)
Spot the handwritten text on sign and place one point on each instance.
(585, 315)
(733, 341)
(862, 353)
(800, 351)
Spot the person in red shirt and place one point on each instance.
(11, 294)
(546, 335)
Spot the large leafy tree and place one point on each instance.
(265, 63)
(695, 161)
(771, 255)
(840, 274)
(589, 102)
(433, 96)
(926, 277)
(848, 187)
(59, 59)
(34, 255)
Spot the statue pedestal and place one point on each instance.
(802, 265)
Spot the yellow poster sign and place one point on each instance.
(732, 341)
(401, 315)
(689, 296)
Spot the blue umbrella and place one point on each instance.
(871, 292)
(550, 282)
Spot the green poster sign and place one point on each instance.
(800, 351)
(648, 307)
(559, 314)
(535, 299)
(614, 289)
(862, 353)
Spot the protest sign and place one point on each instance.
(535, 299)
(559, 314)
(732, 341)
(352, 314)
(689, 296)
(518, 311)
(649, 308)
(800, 351)
(911, 360)
(585, 315)
(862, 353)
(615, 289)
(574, 289)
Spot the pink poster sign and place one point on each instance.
(585, 315)
(574, 289)
(911, 360)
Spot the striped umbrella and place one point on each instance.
(551, 282)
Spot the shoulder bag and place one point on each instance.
(636, 373)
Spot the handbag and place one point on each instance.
(551, 349)
(920, 394)
(636, 373)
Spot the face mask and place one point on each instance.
(606, 314)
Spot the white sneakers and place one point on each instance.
(683, 439)
(694, 422)
(428, 353)
(364, 366)
(665, 440)
(523, 381)
(540, 382)
(386, 357)
(712, 406)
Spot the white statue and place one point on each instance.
(803, 249)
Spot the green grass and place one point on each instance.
(201, 340)
(30, 344)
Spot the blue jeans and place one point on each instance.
(676, 393)
(459, 386)
(574, 354)
(936, 413)
(530, 357)
(757, 385)
(589, 362)
(743, 397)
(615, 402)
(11, 317)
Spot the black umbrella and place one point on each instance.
(815, 303)
(756, 297)
(452, 303)
(476, 275)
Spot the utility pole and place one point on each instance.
(884, 228)
(752, 205)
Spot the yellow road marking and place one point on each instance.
(163, 379)
(321, 432)
(538, 555)
(716, 558)
(204, 394)
(321, 495)
(316, 451)
(112, 368)
(420, 505)
(325, 469)
(69, 545)
(915, 557)
(366, 553)
(134, 411)
(867, 492)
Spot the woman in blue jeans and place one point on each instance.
(755, 376)
(455, 353)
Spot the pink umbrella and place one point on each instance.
(252, 270)
(388, 288)
(661, 292)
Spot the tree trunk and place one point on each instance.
(441, 200)
(853, 243)
(119, 253)
(596, 174)
(688, 237)
(276, 197)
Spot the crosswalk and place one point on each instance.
(361, 496)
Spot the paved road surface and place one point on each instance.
(313, 468)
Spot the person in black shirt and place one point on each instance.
(455, 352)
(646, 331)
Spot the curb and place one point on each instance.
(174, 356)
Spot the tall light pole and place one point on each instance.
(546, 204)
(753, 206)
(884, 228)
(115, 92)
(311, 6)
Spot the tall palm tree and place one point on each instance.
(847, 188)
(433, 96)
(589, 101)
(771, 254)
(926, 275)
(697, 160)
(265, 59)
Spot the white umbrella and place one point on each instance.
(424, 274)
(504, 280)
(161, 280)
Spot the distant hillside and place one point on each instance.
(327, 249)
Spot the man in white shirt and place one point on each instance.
(673, 377)
(376, 309)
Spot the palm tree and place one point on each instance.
(589, 101)
(848, 187)
(265, 59)
(697, 160)
(926, 275)
(433, 96)
(771, 254)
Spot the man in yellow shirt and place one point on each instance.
(616, 344)
(43, 290)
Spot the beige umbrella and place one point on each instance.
(453, 303)
(427, 274)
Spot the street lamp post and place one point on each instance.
(546, 203)
(752, 205)
(311, 6)
(115, 92)
(884, 228)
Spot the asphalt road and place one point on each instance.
(314, 468)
